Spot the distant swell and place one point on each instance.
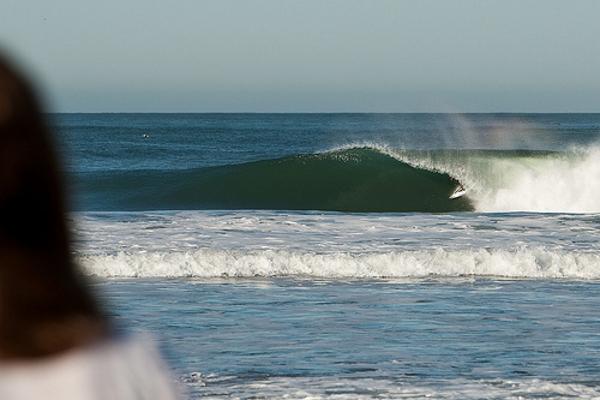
(353, 179)
(209, 263)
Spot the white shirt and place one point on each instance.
(123, 368)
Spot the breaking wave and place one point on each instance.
(295, 388)
(519, 180)
(364, 178)
(523, 263)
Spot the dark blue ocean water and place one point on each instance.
(247, 243)
(102, 142)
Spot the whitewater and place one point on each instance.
(566, 181)
(246, 244)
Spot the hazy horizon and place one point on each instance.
(324, 112)
(273, 56)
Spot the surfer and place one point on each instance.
(458, 192)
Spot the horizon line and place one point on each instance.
(328, 112)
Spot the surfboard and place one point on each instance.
(458, 192)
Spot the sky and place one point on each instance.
(308, 55)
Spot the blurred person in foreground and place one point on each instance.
(55, 340)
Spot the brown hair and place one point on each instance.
(45, 307)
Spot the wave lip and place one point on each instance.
(525, 263)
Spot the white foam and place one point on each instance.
(212, 263)
(557, 182)
(211, 244)
(376, 388)
(565, 183)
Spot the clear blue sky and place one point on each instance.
(309, 55)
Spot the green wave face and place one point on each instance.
(358, 179)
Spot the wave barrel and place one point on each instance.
(356, 180)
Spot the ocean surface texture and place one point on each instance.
(320, 256)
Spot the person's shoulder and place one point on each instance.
(119, 367)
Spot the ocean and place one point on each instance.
(320, 255)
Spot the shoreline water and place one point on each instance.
(277, 337)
